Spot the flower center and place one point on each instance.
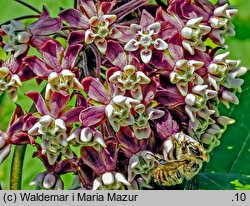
(101, 29)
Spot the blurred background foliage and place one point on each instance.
(229, 166)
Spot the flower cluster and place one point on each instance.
(131, 90)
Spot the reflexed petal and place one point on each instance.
(4, 153)
(58, 102)
(75, 18)
(72, 116)
(116, 54)
(146, 19)
(146, 55)
(88, 7)
(95, 90)
(45, 26)
(92, 116)
(128, 140)
(37, 66)
(51, 54)
(132, 45)
(39, 102)
(91, 157)
(70, 56)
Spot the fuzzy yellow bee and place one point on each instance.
(182, 159)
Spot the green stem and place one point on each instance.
(16, 167)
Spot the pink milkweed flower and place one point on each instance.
(16, 132)
(12, 73)
(53, 123)
(95, 20)
(221, 24)
(57, 67)
(104, 164)
(36, 34)
(146, 37)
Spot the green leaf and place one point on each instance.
(216, 181)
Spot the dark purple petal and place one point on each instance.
(92, 158)
(170, 97)
(21, 138)
(109, 155)
(92, 116)
(127, 140)
(75, 18)
(163, 62)
(37, 66)
(116, 54)
(39, 102)
(51, 54)
(72, 116)
(146, 19)
(95, 90)
(25, 73)
(175, 47)
(149, 91)
(127, 34)
(64, 166)
(70, 56)
(38, 41)
(191, 11)
(75, 37)
(16, 114)
(12, 63)
(81, 101)
(105, 7)
(165, 126)
(15, 127)
(58, 102)
(45, 26)
(88, 7)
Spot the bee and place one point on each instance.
(182, 159)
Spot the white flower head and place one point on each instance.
(142, 164)
(10, 83)
(54, 137)
(18, 37)
(129, 80)
(64, 80)
(221, 24)
(119, 113)
(197, 100)
(87, 137)
(184, 72)
(192, 35)
(147, 39)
